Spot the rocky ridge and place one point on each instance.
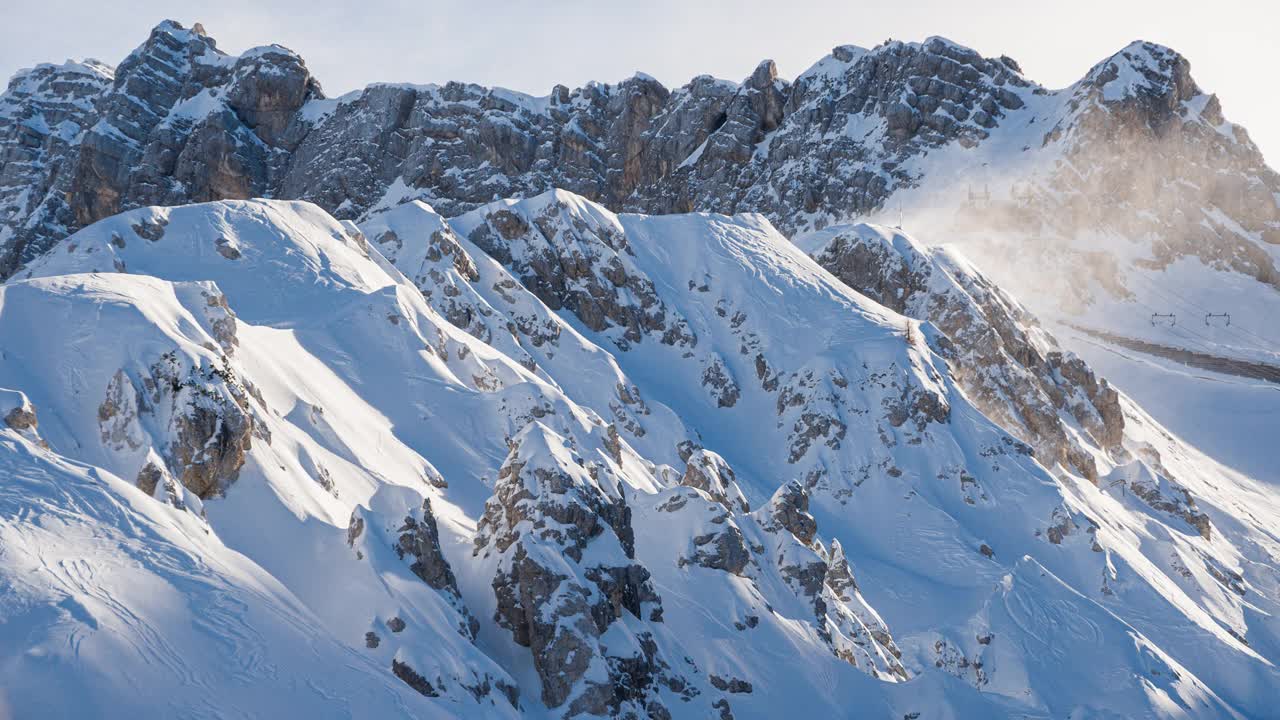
(1007, 364)
(179, 121)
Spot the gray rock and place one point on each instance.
(22, 417)
(789, 510)
(707, 471)
(180, 122)
(1007, 365)
(413, 679)
(177, 122)
(541, 520)
(418, 541)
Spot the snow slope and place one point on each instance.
(1090, 435)
(546, 460)
(116, 605)
(1112, 203)
(1230, 418)
(855, 487)
(335, 410)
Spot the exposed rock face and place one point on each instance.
(412, 678)
(17, 411)
(561, 532)
(789, 510)
(18, 414)
(483, 297)
(856, 632)
(42, 116)
(712, 496)
(638, 145)
(179, 122)
(1143, 136)
(198, 419)
(467, 144)
(422, 245)
(849, 625)
(1010, 367)
(709, 472)
(724, 548)
(573, 258)
(398, 526)
(1006, 364)
(774, 547)
(1152, 483)
(836, 144)
(420, 540)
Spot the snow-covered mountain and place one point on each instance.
(181, 121)
(709, 453)
(342, 454)
(1124, 209)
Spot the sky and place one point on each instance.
(531, 46)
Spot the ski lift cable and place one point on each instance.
(1182, 331)
(1187, 337)
(1236, 330)
(1186, 334)
(1171, 296)
(1177, 329)
(1207, 344)
(1233, 328)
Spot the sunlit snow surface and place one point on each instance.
(117, 604)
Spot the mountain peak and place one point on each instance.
(1144, 68)
(765, 74)
(174, 32)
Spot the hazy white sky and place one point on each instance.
(530, 46)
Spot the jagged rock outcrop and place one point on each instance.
(422, 245)
(197, 418)
(788, 510)
(624, 298)
(834, 142)
(420, 540)
(478, 294)
(437, 264)
(178, 121)
(43, 114)
(1006, 363)
(1011, 368)
(397, 532)
(776, 552)
(573, 257)
(182, 122)
(1151, 482)
(18, 414)
(17, 411)
(560, 529)
(1152, 155)
(709, 472)
(845, 620)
